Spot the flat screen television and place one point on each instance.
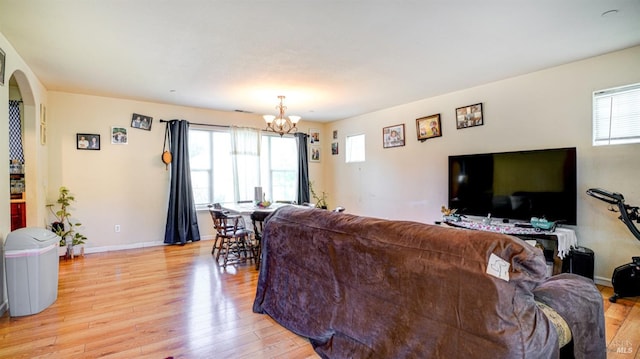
(515, 185)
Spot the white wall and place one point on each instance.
(124, 185)
(545, 109)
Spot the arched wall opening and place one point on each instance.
(33, 122)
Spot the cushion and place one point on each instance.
(564, 333)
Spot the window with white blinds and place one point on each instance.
(616, 115)
(354, 148)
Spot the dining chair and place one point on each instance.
(257, 220)
(232, 241)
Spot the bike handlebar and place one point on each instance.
(627, 213)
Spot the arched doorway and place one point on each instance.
(23, 159)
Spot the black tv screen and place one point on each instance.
(515, 185)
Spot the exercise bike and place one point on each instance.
(625, 278)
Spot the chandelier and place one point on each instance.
(280, 124)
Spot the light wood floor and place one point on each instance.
(151, 303)
(175, 301)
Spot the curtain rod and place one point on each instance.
(200, 124)
(223, 126)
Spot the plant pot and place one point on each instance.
(62, 251)
(76, 251)
(70, 251)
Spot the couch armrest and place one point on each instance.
(580, 303)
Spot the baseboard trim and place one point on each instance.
(603, 281)
(4, 307)
(121, 247)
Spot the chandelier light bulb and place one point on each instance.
(269, 118)
(294, 119)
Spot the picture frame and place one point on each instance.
(314, 136)
(43, 134)
(335, 134)
(393, 136)
(314, 155)
(469, 116)
(43, 124)
(88, 141)
(43, 114)
(3, 63)
(119, 136)
(334, 148)
(141, 121)
(428, 127)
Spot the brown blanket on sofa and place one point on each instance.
(361, 287)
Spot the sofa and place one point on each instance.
(360, 287)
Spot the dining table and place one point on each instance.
(247, 208)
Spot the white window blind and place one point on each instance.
(616, 115)
(354, 148)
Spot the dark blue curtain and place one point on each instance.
(182, 222)
(303, 168)
(15, 132)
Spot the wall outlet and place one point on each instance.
(117, 228)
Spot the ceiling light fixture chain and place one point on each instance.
(281, 124)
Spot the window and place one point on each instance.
(279, 167)
(616, 115)
(354, 148)
(214, 177)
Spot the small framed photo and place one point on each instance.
(43, 134)
(428, 127)
(393, 136)
(335, 134)
(119, 136)
(3, 62)
(469, 116)
(315, 153)
(87, 141)
(43, 114)
(43, 125)
(141, 121)
(334, 148)
(314, 135)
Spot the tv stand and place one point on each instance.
(556, 244)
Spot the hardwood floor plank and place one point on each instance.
(625, 344)
(176, 301)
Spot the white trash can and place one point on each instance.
(31, 261)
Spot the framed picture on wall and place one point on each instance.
(87, 141)
(315, 154)
(43, 125)
(3, 62)
(119, 136)
(334, 148)
(141, 121)
(393, 136)
(469, 116)
(428, 127)
(314, 136)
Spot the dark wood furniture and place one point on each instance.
(18, 214)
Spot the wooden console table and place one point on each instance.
(556, 244)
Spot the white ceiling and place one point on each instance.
(331, 59)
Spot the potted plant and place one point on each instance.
(321, 200)
(63, 226)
